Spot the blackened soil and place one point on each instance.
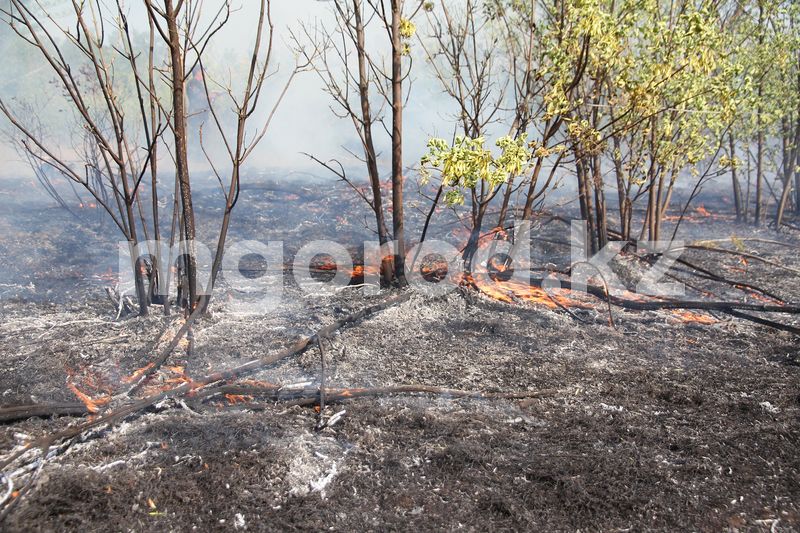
(656, 425)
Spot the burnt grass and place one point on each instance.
(656, 424)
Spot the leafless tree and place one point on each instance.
(119, 151)
(362, 88)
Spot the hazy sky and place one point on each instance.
(304, 122)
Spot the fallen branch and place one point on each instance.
(306, 395)
(712, 276)
(115, 414)
(700, 305)
(737, 253)
(313, 395)
(764, 321)
(141, 377)
(22, 412)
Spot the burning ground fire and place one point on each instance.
(495, 282)
(700, 213)
(92, 404)
(492, 279)
(90, 380)
(95, 391)
(688, 317)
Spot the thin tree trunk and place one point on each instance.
(181, 146)
(749, 184)
(797, 191)
(369, 144)
(587, 212)
(537, 169)
(622, 192)
(652, 206)
(737, 188)
(759, 172)
(600, 202)
(501, 219)
(790, 157)
(397, 143)
(158, 274)
(759, 125)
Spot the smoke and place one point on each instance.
(304, 123)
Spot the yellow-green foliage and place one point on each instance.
(468, 163)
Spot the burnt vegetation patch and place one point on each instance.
(577, 312)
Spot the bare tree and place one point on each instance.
(119, 153)
(357, 86)
(92, 90)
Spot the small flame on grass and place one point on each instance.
(108, 275)
(234, 399)
(514, 291)
(179, 377)
(759, 297)
(138, 373)
(689, 317)
(702, 211)
(92, 404)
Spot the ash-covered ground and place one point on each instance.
(655, 424)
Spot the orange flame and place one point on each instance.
(92, 404)
(234, 399)
(137, 373)
(689, 317)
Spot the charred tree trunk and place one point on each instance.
(366, 117)
(387, 268)
(474, 237)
